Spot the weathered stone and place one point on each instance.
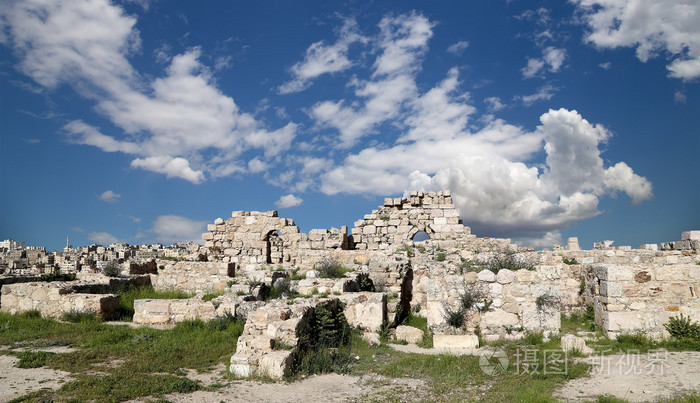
(570, 343)
(409, 333)
(276, 364)
(486, 275)
(455, 342)
(506, 276)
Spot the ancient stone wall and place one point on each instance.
(400, 219)
(54, 299)
(518, 301)
(642, 297)
(193, 277)
(253, 237)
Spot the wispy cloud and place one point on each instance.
(458, 48)
(102, 238)
(110, 197)
(289, 200)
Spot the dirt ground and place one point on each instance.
(637, 378)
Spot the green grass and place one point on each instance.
(127, 298)
(152, 359)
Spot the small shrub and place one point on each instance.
(441, 257)
(329, 268)
(570, 262)
(111, 270)
(547, 301)
(80, 316)
(365, 283)
(532, 338)
(683, 328)
(421, 248)
(507, 259)
(211, 296)
(454, 318)
(406, 249)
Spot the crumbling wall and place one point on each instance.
(400, 219)
(54, 299)
(253, 237)
(515, 301)
(641, 297)
(193, 277)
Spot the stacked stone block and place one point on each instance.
(55, 299)
(631, 298)
(193, 277)
(400, 219)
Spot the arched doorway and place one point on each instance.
(274, 248)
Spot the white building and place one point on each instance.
(11, 244)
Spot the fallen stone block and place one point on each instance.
(276, 364)
(569, 343)
(455, 341)
(409, 334)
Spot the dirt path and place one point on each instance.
(636, 377)
(16, 382)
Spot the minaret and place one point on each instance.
(67, 241)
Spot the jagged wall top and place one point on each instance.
(400, 219)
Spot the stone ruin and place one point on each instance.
(252, 252)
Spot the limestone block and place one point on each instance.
(365, 309)
(435, 313)
(623, 322)
(525, 276)
(372, 338)
(545, 273)
(690, 235)
(498, 318)
(454, 341)
(569, 342)
(495, 289)
(409, 333)
(486, 275)
(369, 230)
(610, 289)
(506, 276)
(276, 364)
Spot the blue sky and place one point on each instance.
(141, 121)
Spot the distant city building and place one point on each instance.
(11, 244)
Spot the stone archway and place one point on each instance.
(422, 232)
(274, 247)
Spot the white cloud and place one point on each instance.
(491, 182)
(173, 228)
(554, 57)
(287, 201)
(323, 59)
(495, 104)
(650, 26)
(533, 68)
(172, 167)
(110, 197)
(102, 238)
(458, 48)
(401, 43)
(680, 97)
(169, 123)
(545, 93)
(605, 66)
(255, 165)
